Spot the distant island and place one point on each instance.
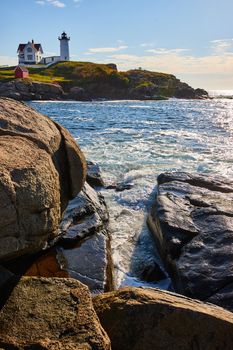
(85, 81)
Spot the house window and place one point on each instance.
(29, 49)
(30, 58)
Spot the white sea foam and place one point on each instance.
(135, 141)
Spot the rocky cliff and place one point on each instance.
(86, 81)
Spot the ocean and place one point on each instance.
(133, 142)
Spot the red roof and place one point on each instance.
(23, 69)
(36, 46)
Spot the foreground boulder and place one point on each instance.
(50, 314)
(192, 221)
(41, 169)
(146, 319)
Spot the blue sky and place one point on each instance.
(192, 39)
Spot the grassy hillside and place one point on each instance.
(104, 81)
(72, 72)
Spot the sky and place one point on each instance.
(192, 39)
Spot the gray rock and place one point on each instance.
(25, 90)
(192, 221)
(94, 176)
(84, 248)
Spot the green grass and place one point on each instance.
(97, 79)
(7, 73)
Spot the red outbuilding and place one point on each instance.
(21, 72)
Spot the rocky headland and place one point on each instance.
(87, 81)
(56, 288)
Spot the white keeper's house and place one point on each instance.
(31, 53)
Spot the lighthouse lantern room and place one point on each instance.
(64, 47)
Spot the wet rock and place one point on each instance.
(50, 314)
(82, 250)
(136, 319)
(192, 221)
(94, 176)
(153, 273)
(124, 186)
(111, 187)
(41, 169)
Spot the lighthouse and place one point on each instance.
(64, 47)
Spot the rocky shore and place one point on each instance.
(56, 283)
(88, 81)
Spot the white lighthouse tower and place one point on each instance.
(64, 47)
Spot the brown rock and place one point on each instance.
(30, 197)
(47, 265)
(146, 319)
(41, 169)
(18, 119)
(50, 314)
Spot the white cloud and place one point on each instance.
(55, 3)
(176, 63)
(163, 51)
(222, 46)
(105, 49)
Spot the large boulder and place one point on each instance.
(146, 319)
(41, 169)
(192, 221)
(50, 314)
